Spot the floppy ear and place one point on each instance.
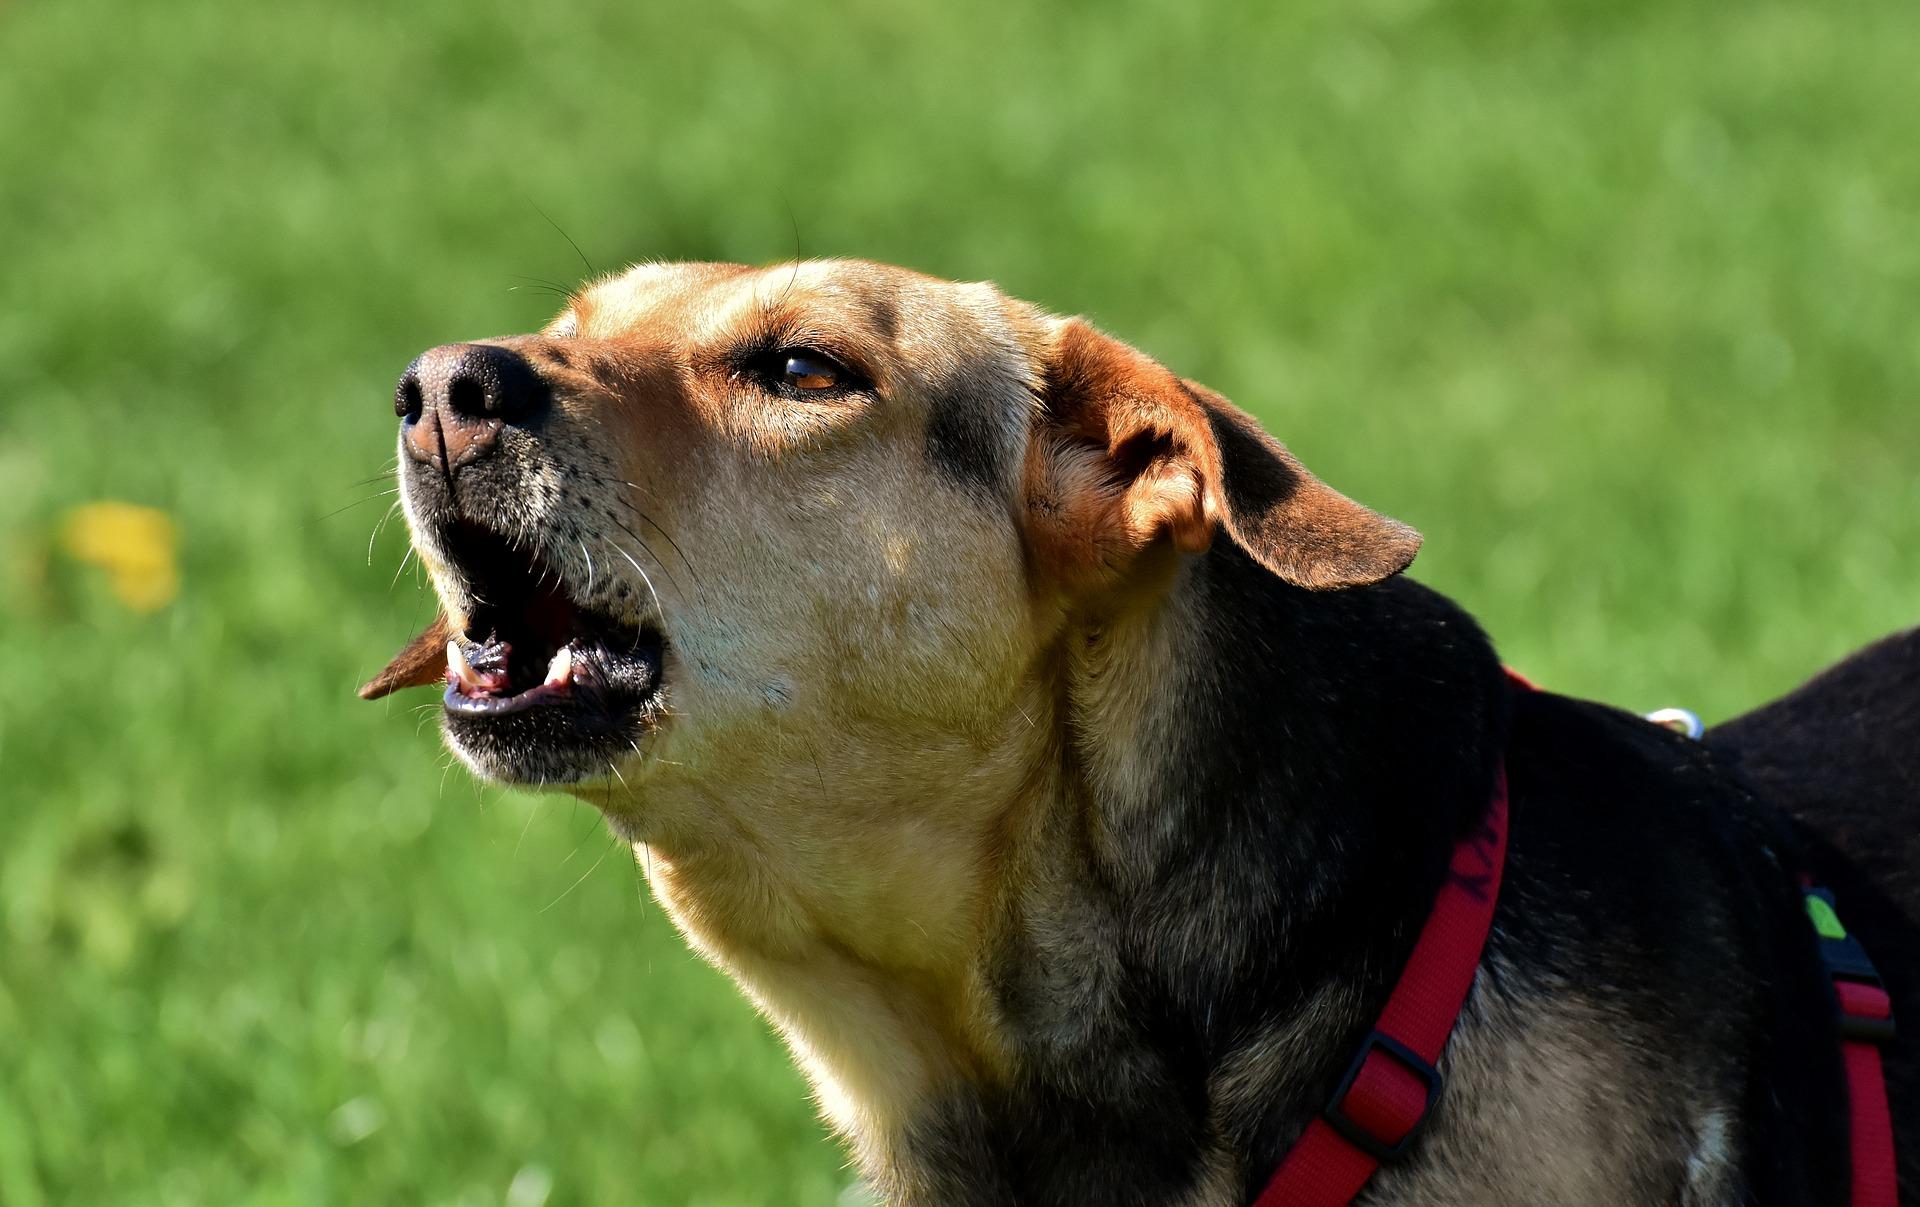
(1126, 455)
(422, 661)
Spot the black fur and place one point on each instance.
(1842, 756)
(960, 440)
(1333, 746)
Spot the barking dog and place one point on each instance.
(1066, 772)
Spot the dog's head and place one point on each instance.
(809, 531)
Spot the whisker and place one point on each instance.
(532, 813)
(657, 605)
(654, 758)
(685, 560)
(586, 263)
(401, 568)
(379, 527)
(614, 842)
(540, 285)
(657, 560)
(795, 276)
(392, 508)
(814, 755)
(349, 507)
(583, 842)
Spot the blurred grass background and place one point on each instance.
(1615, 301)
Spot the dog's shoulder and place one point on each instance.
(1653, 895)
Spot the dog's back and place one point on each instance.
(1841, 755)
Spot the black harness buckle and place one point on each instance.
(1846, 962)
(1380, 1148)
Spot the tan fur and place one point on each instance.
(879, 674)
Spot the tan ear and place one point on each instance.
(422, 661)
(1126, 456)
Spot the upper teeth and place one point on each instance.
(462, 669)
(560, 670)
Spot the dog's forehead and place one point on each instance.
(699, 303)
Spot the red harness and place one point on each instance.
(1389, 1089)
(1866, 1023)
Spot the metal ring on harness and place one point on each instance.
(1682, 721)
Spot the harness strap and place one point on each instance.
(1876, 1182)
(1864, 1013)
(1390, 1088)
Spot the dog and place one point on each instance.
(1066, 772)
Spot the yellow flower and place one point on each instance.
(134, 545)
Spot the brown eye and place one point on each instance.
(811, 373)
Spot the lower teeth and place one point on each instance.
(560, 670)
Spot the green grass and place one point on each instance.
(1615, 301)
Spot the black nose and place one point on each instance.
(453, 400)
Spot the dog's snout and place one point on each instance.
(453, 401)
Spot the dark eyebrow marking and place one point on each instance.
(884, 314)
(961, 441)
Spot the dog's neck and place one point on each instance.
(1218, 836)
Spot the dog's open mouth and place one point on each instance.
(534, 670)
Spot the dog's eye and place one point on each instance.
(805, 371)
(797, 371)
